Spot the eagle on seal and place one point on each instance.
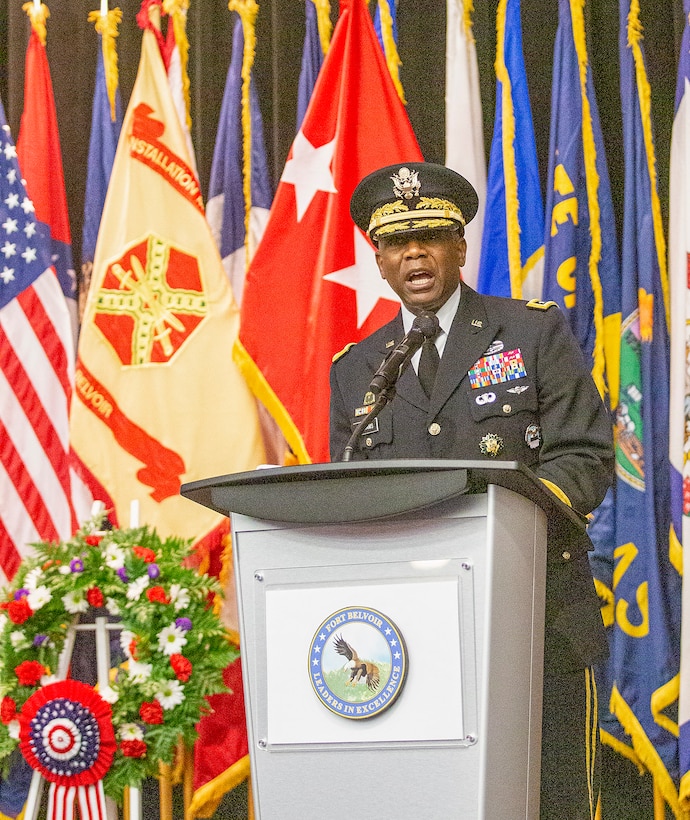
(359, 669)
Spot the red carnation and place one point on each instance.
(29, 672)
(157, 595)
(8, 709)
(181, 667)
(151, 712)
(95, 597)
(133, 748)
(93, 540)
(144, 553)
(19, 611)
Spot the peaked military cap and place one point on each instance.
(413, 196)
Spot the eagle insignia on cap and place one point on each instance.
(406, 183)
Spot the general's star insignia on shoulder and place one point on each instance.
(537, 304)
(342, 352)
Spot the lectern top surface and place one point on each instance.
(365, 490)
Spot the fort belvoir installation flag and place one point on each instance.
(158, 400)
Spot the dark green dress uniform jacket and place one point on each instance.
(513, 382)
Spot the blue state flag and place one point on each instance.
(106, 123)
(312, 60)
(646, 585)
(511, 259)
(582, 271)
(240, 192)
(679, 411)
(386, 28)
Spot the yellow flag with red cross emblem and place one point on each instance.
(158, 401)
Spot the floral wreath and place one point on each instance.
(173, 646)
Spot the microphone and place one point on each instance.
(425, 326)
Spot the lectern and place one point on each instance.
(392, 631)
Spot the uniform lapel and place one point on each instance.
(408, 386)
(470, 335)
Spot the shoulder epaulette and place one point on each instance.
(537, 304)
(342, 352)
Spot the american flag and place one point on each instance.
(36, 374)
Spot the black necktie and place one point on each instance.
(428, 365)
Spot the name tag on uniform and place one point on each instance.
(372, 427)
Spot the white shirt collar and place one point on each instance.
(445, 314)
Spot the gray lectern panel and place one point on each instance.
(463, 584)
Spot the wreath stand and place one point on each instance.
(101, 626)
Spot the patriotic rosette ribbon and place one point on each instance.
(66, 734)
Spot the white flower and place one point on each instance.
(171, 640)
(75, 602)
(179, 596)
(139, 672)
(64, 569)
(19, 640)
(13, 729)
(170, 693)
(126, 638)
(130, 731)
(135, 589)
(114, 556)
(112, 606)
(46, 679)
(38, 597)
(32, 578)
(109, 695)
(4, 620)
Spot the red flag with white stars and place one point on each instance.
(313, 285)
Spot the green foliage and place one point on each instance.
(174, 647)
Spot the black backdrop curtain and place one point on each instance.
(72, 41)
(280, 30)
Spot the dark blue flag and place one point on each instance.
(240, 192)
(106, 123)
(511, 257)
(312, 59)
(582, 272)
(679, 421)
(646, 629)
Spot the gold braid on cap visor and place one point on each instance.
(428, 213)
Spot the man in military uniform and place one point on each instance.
(510, 383)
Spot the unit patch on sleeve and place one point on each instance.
(499, 367)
